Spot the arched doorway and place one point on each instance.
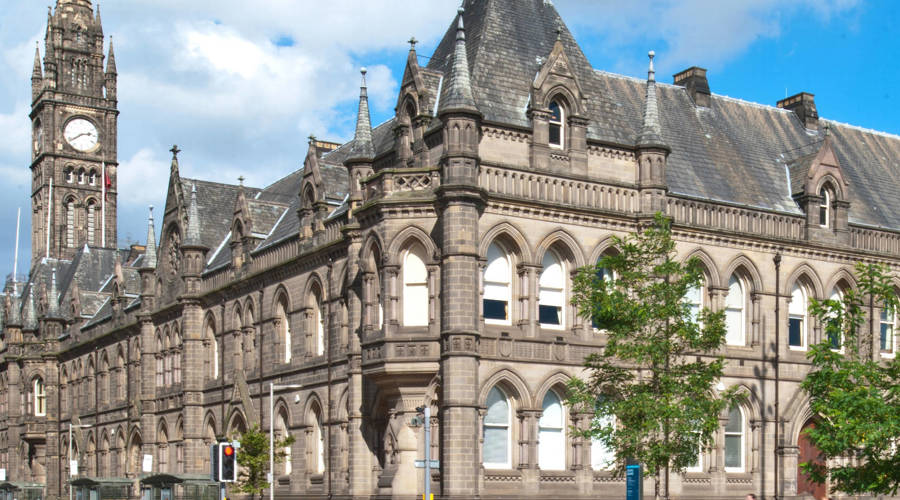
(808, 453)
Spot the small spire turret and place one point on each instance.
(457, 92)
(651, 132)
(150, 253)
(53, 299)
(29, 320)
(192, 237)
(362, 147)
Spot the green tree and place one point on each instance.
(253, 457)
(855, 398)
(651, 386)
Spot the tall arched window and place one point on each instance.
(70, 174)
(415, 287)
(317, 443)
(282, 430)
(496, 453)
(319, 326)
(162, 449)
(824, 207)
(284, 329)
(694, 299)
(212, 351)
(602, 457)
(81, 176)
(734, 440)
(92, 177)
(887, 320)
(70, 223)
(552, 295)
(91, 222)
(556, 123)
(496, 286)
(836, 339)
(552, 434)
(734, 312)
(40, 397)
(797, 318)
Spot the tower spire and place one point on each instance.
(150, 253)
(651, 132)
(362, 147)
(457, 93)
(193, 226)
(111, 59)
(53, 299)
(36, 72)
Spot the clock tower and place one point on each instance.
(73, 117)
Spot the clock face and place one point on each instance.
(81, 134)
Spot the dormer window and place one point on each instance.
(556, 125)
(824, 206)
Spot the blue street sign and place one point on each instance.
(633, 482)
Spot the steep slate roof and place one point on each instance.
(216, 207)
(734, 151)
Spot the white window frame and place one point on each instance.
(552, 456)
(799, 312)
(498, 288)
(281, 315)
(825, 204)
(40, 397)
(319, 325)
(415, 287)
(743, 440)
(891, 323)
(732, 307)
(694, 297)
(319, 442)
(507, 426)
(546, 288)
(838, 295)
(561, 124)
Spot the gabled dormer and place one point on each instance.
(413, 114)
(313, 207)
(558, 115)
(241, 230)
(819, 187)
(169, 258)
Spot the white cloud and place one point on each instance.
(143, 179)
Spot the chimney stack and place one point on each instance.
(694, 80)
(804, 105)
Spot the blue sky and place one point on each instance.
(239, 89)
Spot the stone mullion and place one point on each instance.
(392, 299)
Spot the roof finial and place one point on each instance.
(150, 253)
(827, 129)
(651, 74)
(460, 29)
(559, 30)
(241, 180)
(175, 151)
(412, 43)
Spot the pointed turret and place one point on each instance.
(362, 148)
(37, 75)
(111, 59)
(29, 314)
(53, 299)
(457, 91)
(150, 253)
(192, 238)
(651, 132)
(14, 318)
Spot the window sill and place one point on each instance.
(316, 478)
(797, 348)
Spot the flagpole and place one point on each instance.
(49, 212)
(103, 208)
(16, 253)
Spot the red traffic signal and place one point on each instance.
(228, 450)
(227, 463)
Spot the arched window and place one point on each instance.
(734, 312)
(556, 122)
(284, 329)
(824, 207)
(415, 288)
(92, 178)
(70, 174)
(317, 444)
(91, 222)
(40, 397)
(836, 339)
(496, 453)
(319, 325)
(496, 286)
(552, 434)
(552, 295)
(887, 320)
(694, 299)
(606, 275)
(282, 430)
(162, 449)
(212, 351)
(602, 457)
(81, 176)
(70, 223)
(734, 440)
(797, 318)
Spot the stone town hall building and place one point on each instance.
(426, 262)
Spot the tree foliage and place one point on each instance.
(651, 386)
(253, 457)
(854, 395)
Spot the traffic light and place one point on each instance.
(227, 463)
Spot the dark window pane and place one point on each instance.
(823, 216)
(555, 114)
(494, 309)
(835, 341)
(885, 336)
(555, 134)
(549, 315)
(795, 336)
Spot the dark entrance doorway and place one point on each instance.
(808, 453)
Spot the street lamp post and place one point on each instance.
(271, 477)
(79, 426)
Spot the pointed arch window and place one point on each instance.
(40, 397)
(284, 329)
(552, 434)
(317, 443)
(92, 178)
(602, 456)
(835, 338)
(319, 325)
(496, 452)
(694, 299)
(91, 222)
(824, 207)
(735, 440)
(797, 319)
(495, 302)
(70, 174)
(887, 320)
(556, 125)
(70, 223)
(415, 288)
(81, 176)
(552, 294)
(282, 433)
(734, 312)
(212, 351)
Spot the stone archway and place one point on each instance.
(807, 452)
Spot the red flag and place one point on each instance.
(108, 183)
